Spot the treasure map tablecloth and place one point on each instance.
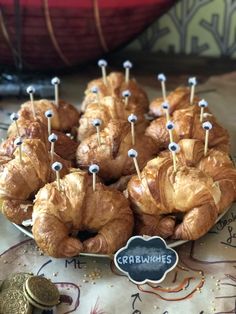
(204, 280)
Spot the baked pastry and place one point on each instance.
(19, 181)
(111, 155)
(177, 99)
(187, 125)
(65, 117)
(108, 109)
(115, 86)
(76, 207)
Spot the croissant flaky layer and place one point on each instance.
(75, 207)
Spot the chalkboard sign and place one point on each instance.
(146, 259)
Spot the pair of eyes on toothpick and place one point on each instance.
(126, 64)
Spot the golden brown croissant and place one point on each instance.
(116, 85)
(110, 108)
(64, 146)
(76, 207)
(187, 125)
(112, 154)
(177, 99)
(65, 117)
(20, 181)
(163, 196)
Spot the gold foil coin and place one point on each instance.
(13, 301)
(16, 281)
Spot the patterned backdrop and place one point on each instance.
(199, 27)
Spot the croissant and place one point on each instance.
(115, 86)
(177, 99)
(163, 196)
(65, 117)
(108, 109)
(64, 146)
(187, 125)
(111, 155)
(76, 207)
(20, 181)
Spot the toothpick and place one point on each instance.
(56, 81)
(126, 94)
(192, 82)
(31, 90)
(165, 106)
(174, 148)
(57, 166)
(202, 104)
(14, 117)
(95, 91)
(52, 139)
(94, 170)
(103, 64)
(132, 120)
(207, 126)
(170, 127)
(127, 65)
(49, 115)
(18, 142)
(97, 123)
(162, 78)
(133, 154)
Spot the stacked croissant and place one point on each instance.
(180, 202)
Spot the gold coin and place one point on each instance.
(42, 290)
(15, 281)
(34, 303)
(13, 301)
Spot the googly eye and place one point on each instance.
(48, 114)
(165, 105)
(132, 118)
(132, 153)
(170, 125)
(94, 89)
(207, 125)
(96, 122)
(94, 168)
(174, 147)
(127, 64)
(52, 138)
(203, 103)
(126, 93)
(30, 89)
(55, 81)
(192, 81)
(14, 116)
(102, 63)
(18, 141)
(56, 166)
(161, 77)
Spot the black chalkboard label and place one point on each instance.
(146, 259)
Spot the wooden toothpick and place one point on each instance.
(57, 166)
(207, 126)
(18, 142)
(126, 94)
(170, 127)
(52, 139)
(165, 106)
(94, 170)
(56, 81)
(103, 64)
(192, 82)
(132, 153)
(14, 117)
(49, 115)
(31, 90)
(202, 104)
(162, 78)
(174, 148)
(132, 120)
(127, 66)
(97, 123)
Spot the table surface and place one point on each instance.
(204, 280)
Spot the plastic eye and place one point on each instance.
(132, 153)
(207, 125)
(94, 168)
(18, 141)
(161, 77)
(102, 63)
(48, 114)
(203, 103)
(56, 166)
(132, 118)
(52, 138)
(170, 125)
(165, 105)
(30, 89)
(126, 93)
(96, 122)
(14, 116)
(127, 64)
(55, 81)
(174, 147)
(94, 89)
(192, 81)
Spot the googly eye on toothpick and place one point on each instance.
(52, 139)
(31, 90)
(127, 66)
(14, 117)
(165, 106)
(18, 142)
(162, 78)
(56, 82)
(192, 81)
(170, 127)
(94, 169)
(132, 120)
(202, 104)
(103, 64)
(174, 149)
(132, 153)
(126, 94)
(57, 167)
(95, 91)
(207, 126)
(49, 115)
(97, 123)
